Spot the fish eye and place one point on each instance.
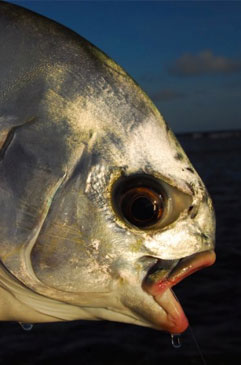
(145, 202)
(142, 206)
(139, 200)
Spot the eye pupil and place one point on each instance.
(143, 209)
(141, 206)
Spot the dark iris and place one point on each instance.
(142, 206)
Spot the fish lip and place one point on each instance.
(184, 268)
(160, 289)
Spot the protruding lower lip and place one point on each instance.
(158, 285)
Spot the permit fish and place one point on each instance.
(101, 211)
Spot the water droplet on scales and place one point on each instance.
(176, 340)
(26, 326)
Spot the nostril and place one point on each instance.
(192, 210)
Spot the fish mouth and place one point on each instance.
(163, 276)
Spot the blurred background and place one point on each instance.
(186, 55)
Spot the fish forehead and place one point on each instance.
(128, 130)
(150, 147)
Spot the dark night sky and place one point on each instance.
(185, 54)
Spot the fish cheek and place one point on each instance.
(67, 256)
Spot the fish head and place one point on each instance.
(108, 212)
(134, 218)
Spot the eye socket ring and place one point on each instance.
(145, 202)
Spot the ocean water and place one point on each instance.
(211, 298)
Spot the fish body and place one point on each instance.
(101, 210)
